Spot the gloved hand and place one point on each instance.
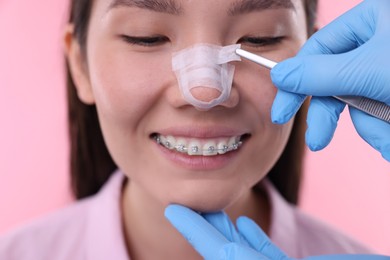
(215, 237)
(350, 56)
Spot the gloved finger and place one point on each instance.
(344, 33)
(374, 131)
(258, 239)
(234, 251)
(285, 106)
(223, 224)
(360, 72)
(322, 118)
(203, 237)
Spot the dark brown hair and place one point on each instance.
(91, 163)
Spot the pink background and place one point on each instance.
(347, 184)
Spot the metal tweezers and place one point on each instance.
(372, 107)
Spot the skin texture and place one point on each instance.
(136, 95)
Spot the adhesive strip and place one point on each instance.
(205, 66)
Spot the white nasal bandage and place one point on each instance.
(205, 66)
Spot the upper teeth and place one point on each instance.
(200, 147)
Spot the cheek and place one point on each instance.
(126, 87)
(257, 93)
(126, 84)
(254, 82)
(255, 87)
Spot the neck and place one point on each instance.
(149, 235)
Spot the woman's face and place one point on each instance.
(128, 75)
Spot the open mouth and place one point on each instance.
(201, 147)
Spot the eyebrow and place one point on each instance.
(171, 7)
(160, 6)
(248, 6)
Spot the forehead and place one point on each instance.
(177, 7)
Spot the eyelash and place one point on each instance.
(145, 41)
(258, 42)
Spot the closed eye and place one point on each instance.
(258, 42)
(149, 41)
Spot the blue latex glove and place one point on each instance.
(350, 56)
(215, 238)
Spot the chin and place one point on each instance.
(206, 201)
(203, 207)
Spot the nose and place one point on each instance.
(205, 76)
(205, 94)
(208, 95)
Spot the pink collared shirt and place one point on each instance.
(300, 235)
(92, 229)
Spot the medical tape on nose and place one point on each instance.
(205, 66)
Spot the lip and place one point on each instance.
(199, 163)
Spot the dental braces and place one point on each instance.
(195, 149)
